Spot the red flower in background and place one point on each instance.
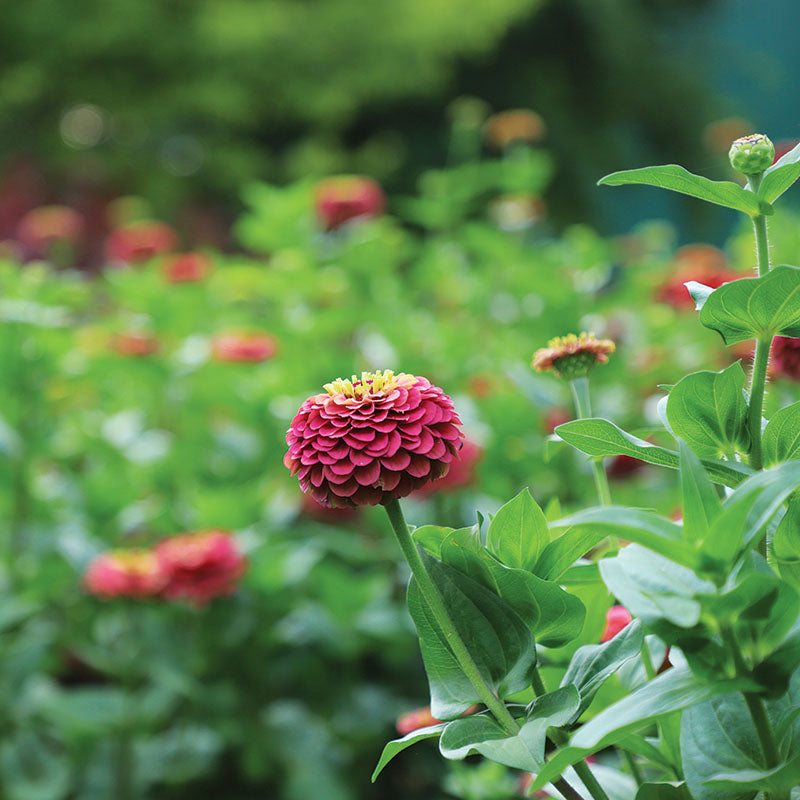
(125, 573)
(617, 617)
(186, 267)
(200, 566)
(243, 347)
(785, 357)
(697, 262)
(41, 227)
(139, 241)
(622, 466)
(554, 417)
(311, 508)
(371, 439)
(460, 474)
(134, 344)
(344, 197)
(422, 718)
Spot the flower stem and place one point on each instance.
(755, 704)
(559, 737)
(435, 602)
(583, 409)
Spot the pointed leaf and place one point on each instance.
(398, 745)
(781, 440)
(699, 292)
(756, 308)
(677, 179)
(498, 640)
(708, 410)
(780, 176)
(700, 503)
(518, 532)
(601, 438)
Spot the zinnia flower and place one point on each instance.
(125, 573)
(372, 439)
(200, 566)
(186, 267)
(344, 197)
(311, 508)
(43, 226)
(623, 466)
(242, 347)
(617, 617)
(134, 344)
(785, 357)
(517, 125)
(697, 262)
(460, 474)
(573, 356)
(422, 718)
(554, 417)
(139, 241)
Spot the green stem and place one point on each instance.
(434, 601)
(583, 409)
(559, 737)
(754, 411)
(647, 660)
(755, 704)
(633, 767)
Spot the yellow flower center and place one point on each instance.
(370, 383)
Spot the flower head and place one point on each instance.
(43, 226)
(125, 573)
(186, 267)
(242, 347)
(573, 356)
(517, 125)
(752, 154)
(622, 466)
(200, 566)
(422, 718)
(371, 439)
(617, 617)
(139, 241)
(785, 357)
(134, 344)
(460, 474)
(344, 197)
(696, 262)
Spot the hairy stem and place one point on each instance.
(583, 410)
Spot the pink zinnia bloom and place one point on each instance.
(125, 573)
(554, 417)
(200, 566)
(460, 474)
(372, 439)
(139, 241)
(186, 267)
(617, 617)
(623, 466)
(43, 226)
(572, 355)
(243, 347)
(695, 262)
(344, 197)
(422, 718)
(134, 344)
(785, 357)
(311, 508)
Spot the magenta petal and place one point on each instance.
(366, 476)
(360, 459)
(343, 467)
(419, 467)
(400, 460)
(389, 479)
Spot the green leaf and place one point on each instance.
(699, 292)
(677, 179)
(781, 440)
(593, 664)
(708, 411)
(398, 745)
(700, 503)
(591, 526)
(601, 438)
(497, 638)
(673, 690)
(518, 532)
(663, 791)
(480, 733)
(430, 538)
(554, 616)
(780, 176)
(756, 308)
(786, 543)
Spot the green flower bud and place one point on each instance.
(752, 154)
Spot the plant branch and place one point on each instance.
(583, 410)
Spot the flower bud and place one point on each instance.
(752, 154)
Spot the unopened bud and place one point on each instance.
(752, 154)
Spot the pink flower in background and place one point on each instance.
(186, 267)
(622, 466)
(554, 417)
(785, 357)
(311, 508)
(243, 347)
(344, 197)
(460, 474)
(371, 439)
(422, 718)
(200, 566)
(43, 226)
(696, 262)
(617, 617)
(125, 573)
(139, 241)
(134, 344)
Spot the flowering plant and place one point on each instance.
(497, 605)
